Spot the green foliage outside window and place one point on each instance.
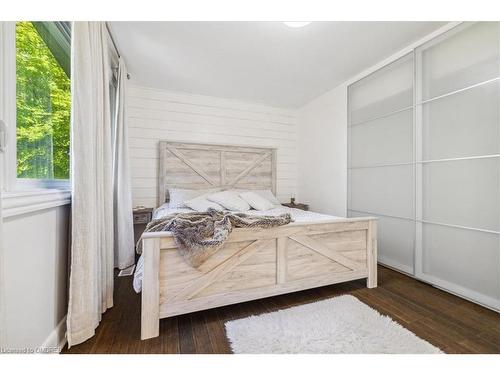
(43, 108)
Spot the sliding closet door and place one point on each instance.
(381, 158)
(458, 162)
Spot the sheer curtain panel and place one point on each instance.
(91, 277)
(124, 227)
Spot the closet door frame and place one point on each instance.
(419, 103)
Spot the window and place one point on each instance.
(43, 100)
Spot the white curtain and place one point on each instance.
(91, 278)
(3, 327)
(124, 227)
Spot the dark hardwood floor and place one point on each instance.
(446, 321)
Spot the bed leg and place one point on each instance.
(150, 310)
(371, 247)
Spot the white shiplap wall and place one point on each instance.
(155, 115)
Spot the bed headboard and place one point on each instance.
(202, 165)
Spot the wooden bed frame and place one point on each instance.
(252, 263)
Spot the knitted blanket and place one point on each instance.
(198, 235)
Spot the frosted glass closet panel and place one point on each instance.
(396, 238)
(383, 190)
(382, 141)
(458, 163)
(463, 261)
(462, 192)
(387, 90)
(464, 124)
(463, 57)
(381, 163)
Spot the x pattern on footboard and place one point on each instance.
(220, 270)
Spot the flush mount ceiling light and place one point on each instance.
(296, 24)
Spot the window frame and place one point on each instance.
(8, 111)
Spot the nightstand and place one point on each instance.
(300, 206)
(142, 216)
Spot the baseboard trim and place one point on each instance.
(56, 339)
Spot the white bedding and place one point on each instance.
(298, 216)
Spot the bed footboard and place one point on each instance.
(255, 264)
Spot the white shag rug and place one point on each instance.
(337, 325)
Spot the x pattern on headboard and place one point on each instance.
(200, 166)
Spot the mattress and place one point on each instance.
(298, 216)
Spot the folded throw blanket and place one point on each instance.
(198, 235)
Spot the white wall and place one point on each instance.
(155, 115)
(323, 153)
(35, 248)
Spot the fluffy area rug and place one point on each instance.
(337, 325)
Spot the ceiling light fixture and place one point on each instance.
(296, 24)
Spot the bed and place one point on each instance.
(313, 251)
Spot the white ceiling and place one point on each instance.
(263, 62)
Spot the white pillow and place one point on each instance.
(202, 204)
(268, 195)
(229, 199)
(256, 201)
(179, 196)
